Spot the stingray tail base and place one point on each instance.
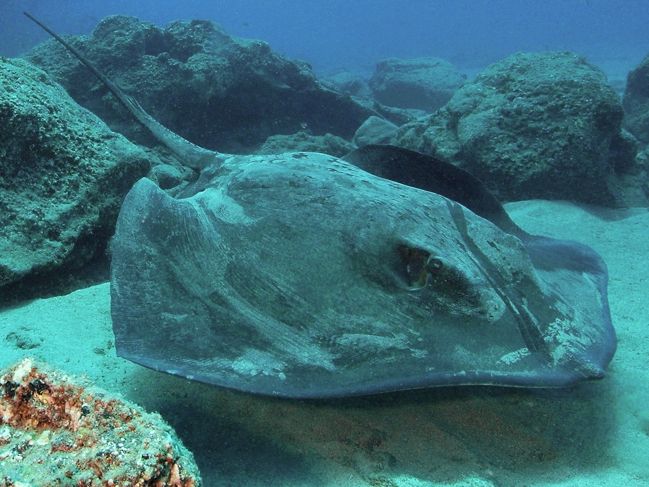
(188, 153)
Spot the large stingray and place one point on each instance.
(304, 275)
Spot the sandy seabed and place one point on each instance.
(594, 434)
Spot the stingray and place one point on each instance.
(304, 275)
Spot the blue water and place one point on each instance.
(353, 34)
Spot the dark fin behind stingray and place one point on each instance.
(188, 153)
(431, 174)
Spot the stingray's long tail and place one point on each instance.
(188, 153)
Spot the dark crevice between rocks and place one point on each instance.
(64, 279)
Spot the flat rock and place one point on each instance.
(306, 142)
(422, 83)
(349, 83)
(375, 130)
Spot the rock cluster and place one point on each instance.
(530, 126)
(543, 125)
(218, 91)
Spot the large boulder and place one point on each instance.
(636, 101)
(218, 91)
(543, 125)
(422, 83)
(63, 176)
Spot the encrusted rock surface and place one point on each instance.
(375, 130)
(63, 175)
(422, 83)
(218, 91)
(305, 142)
(348, 83)
(636, 101)
(56, 431)
(544, 125)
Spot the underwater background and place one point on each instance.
(339, 35)
(547, 103)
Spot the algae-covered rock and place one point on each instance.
(218, 91)
(375, 130)
(306, 142)
(534, 126)
(56, 431)
(636, 101)
(63, 175)
(422, 83)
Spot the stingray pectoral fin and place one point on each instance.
(165, 272)
(580, 283)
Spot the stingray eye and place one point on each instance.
(434, 264)
(417, 265)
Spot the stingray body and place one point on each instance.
(305, 275)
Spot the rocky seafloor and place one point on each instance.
(543, 125)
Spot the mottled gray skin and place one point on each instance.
(301, 275)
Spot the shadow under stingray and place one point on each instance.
(504, 435)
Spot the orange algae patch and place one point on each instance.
(54, 431)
